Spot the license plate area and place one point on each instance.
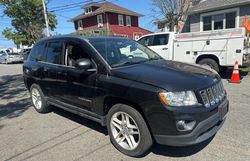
(223, 110)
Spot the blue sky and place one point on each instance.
(64, 27)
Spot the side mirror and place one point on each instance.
(83, 64)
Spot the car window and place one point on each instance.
(73, 53)
(54, 52)
(145, 41)
(161, 39)
(4, 55)
(37, 52)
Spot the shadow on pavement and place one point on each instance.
(227, 73)
(81, 120)
(14, 96)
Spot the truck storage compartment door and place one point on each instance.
(183, 51)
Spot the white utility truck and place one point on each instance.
(215, 49)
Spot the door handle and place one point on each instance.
(164, 48)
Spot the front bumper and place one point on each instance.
(203, 131)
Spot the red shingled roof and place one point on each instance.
(106, 7)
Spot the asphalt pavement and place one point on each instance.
(60, 135)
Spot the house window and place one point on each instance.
(99, 20)
(230, 20)
(220, 20)
(120, 20)
(80, 25)
(88, 10)
(128, 20)
(207, 23)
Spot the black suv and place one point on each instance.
(125, 86)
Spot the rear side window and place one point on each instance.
(160, 39)
(54, 52)
(36, 53)
(146, 41)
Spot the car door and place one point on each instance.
(50, 81)
(160, 45)
(80, 85)
(2, 58)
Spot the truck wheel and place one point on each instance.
(128, 130)
(39, 102)
(210, 63)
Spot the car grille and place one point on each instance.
(213, 95)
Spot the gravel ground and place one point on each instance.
(59, 135)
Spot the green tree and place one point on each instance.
(27, 20)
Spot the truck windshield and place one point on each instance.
(122, 52)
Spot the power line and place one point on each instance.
(68, 5)
(73, 8)
(63, 16)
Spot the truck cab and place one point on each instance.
(161, 43)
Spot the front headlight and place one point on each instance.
(185, 98)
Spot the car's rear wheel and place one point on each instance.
(128, 130)
(39, 102)
(210, 63)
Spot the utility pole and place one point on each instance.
(46, 19)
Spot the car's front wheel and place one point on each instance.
(128, 130)
(39, 102)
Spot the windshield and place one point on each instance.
(121, 52)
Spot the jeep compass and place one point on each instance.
(126, 87)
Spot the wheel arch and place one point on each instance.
(110, 101)
(210, 56)
(30, 82)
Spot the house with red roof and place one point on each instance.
(109, 18)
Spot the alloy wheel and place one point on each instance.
(36, 98)
(125, 131)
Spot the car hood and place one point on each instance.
(169, 75)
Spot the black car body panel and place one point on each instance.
(162, 72)
(89, 93)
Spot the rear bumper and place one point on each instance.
(246, 60)
(246, 64)
(203, 131)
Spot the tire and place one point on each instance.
(210, 63)
(142, 139)
(41, 105)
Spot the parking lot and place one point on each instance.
(59, 135)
